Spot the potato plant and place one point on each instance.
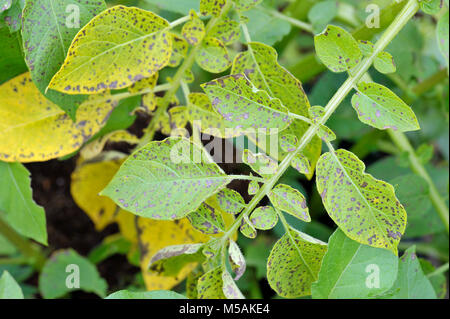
(243, 148)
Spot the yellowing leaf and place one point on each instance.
(212, 56)
(211, 7)
(115, 49)
(179, 50)
(365, 208)
(34, 129)
(87, 181)
(153, 236)
(193, 30)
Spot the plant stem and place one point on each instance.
(176, 82)
(299, 24)
(399, 22)
(26, 247)
(439, 271)
(403, 143)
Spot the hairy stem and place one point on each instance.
(399, 22)
(31, 251)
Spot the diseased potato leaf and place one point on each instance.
(229, 288)
(210, 285)
(166, 180)
(379, 107)
(337, 49)
(264, 218)
(259, 63)
(347, 268)
(211, 7)
(301, 163)
(244, 5)
(34, 129)
(212, 56)
(384, 63)
(179, 51)
(290, 200)
(230, 201)
(235, 98)
(193, 30)
(206, 220)
(47, 33)
(226, 30)
(260, 163)
(115, 49)
(237, 259)
(294, 264)
(365, 208)
(17, 206)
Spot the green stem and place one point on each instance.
(403, 143)
(27, 248)
(399, 22)
(176, 82)
(440, 270)
(247, 178)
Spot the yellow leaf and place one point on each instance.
(87, 181)
(154, 235)
(118, 47)
(34, 129)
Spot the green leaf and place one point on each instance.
(442, 36)
(17, 205)
(229, 288)
(413, 192)
(290, 200)
(235, 98)
(265, 27)
(411, 283)
(260, 163)
(244, 5)
(438, 281)
(116, 57)
(182, 7)
(11, 59)
(166, 180)
(384, 63)
(337, 49)
(264, 218)
(170, 260)
(207, 220)
(379, 107)
(365, 208)
(193, 30)
(226, 30)
(9, 288)
(5, 5)
(230, 201)
(210, 285)
(237, 260)
(47, 33)
(156, 294)
(354, 271)
(294, 264)
(211, 7)
(431, 6)
(322, 13)
(64, 271)
(212, 56)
